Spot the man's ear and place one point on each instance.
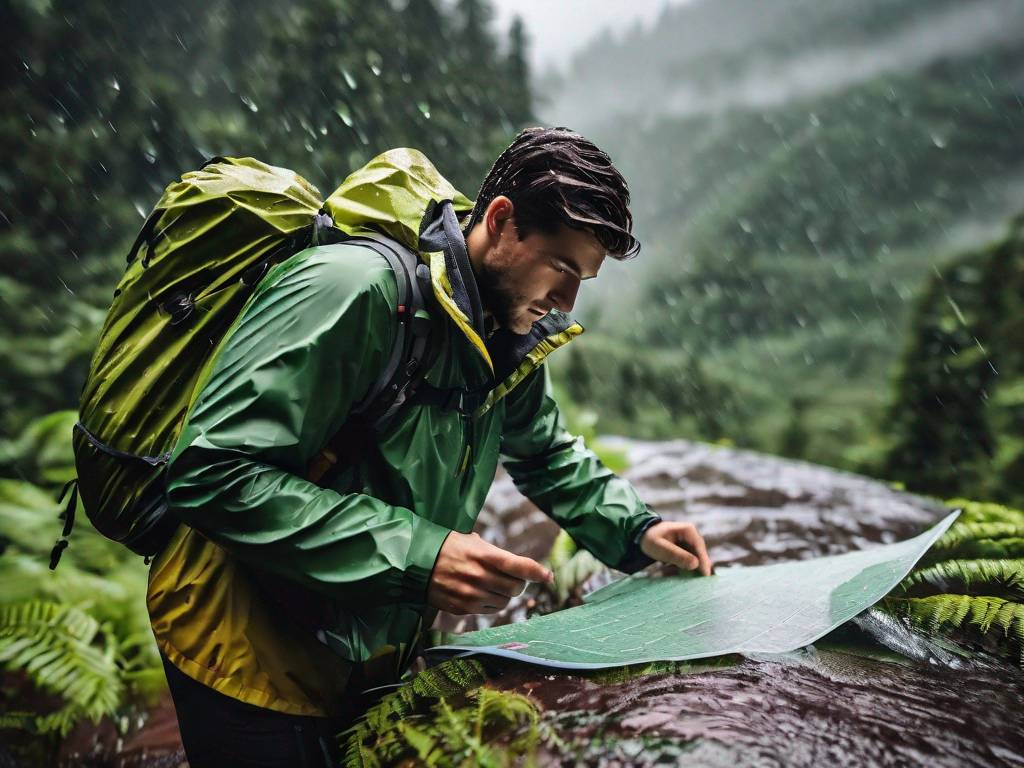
(499, 214)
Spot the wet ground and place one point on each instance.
(849, 700)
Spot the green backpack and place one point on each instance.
(209, 241)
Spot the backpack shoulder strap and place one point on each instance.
(412, 355)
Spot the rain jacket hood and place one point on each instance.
(284, 593)
(401, 194)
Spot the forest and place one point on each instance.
(829, 199)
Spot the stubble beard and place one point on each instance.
(505, 305)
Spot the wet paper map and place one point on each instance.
(761, 609)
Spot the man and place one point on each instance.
(281, 600)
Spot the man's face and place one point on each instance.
(521, 280)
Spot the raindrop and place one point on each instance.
(114, 84)
(939, 141)
(342, 112)
(250, 104)
(374, 61)
(349, 80)
(425, 109)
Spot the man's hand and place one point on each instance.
(678, 544)
(472, 576)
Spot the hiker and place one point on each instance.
(281, 600)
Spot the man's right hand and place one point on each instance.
(473, 576)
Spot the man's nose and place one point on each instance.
(564, 294)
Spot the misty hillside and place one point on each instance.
(797, 170)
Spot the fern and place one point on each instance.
(446, 717)
(65, 651)
(970, 585)
(449, 679)
(985, 512)
(997, 578)
(973, 617)
(81, 632)
(978, 540)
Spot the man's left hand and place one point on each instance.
(679, 544)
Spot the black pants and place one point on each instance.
(219, 731)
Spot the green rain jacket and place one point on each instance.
(276, 590)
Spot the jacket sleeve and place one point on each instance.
(306, 348)
(555, 470)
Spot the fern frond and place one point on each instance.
(985, 512)
(424, 745)
(444, 716)
(64, 651)
(451, 678)
(971, 616)
(1002, 540)
(998, 578)
(961, 532)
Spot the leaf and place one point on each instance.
(999, 578)
(990, 622)
(64, 651)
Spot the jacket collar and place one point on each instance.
(401, 194)
(510, 356)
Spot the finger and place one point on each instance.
(517, 566)
(669, 552)
(694, 542)
(466, 599)
(503, 585)
(490, 603)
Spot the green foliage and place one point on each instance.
(42, 452)
(955, 424)
(572, 567)
(616, 389)
(970, 584)
(64, 651)
(789, 225)
(446, 716)
(1000, 578)
(106, 104)
(80, 635)
(990, 622)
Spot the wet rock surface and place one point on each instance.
(839, 702)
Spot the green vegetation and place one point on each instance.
(787, 240)
(789, 227)
(956, 421)
(75, 644)
(106, 104)
(447, 716)
(970, 585)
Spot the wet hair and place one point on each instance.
(556, 176)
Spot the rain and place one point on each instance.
(817, 349)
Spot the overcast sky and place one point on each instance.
(558, 28)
